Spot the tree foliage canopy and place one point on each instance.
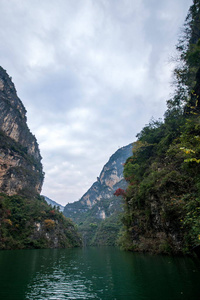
(162, 202)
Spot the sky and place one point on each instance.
(91, 74)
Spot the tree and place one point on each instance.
(188, 60)
(119, 192)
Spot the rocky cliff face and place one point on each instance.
(26, 220)
(20, 160)
(29, 222)
(110, 179)
(98, 212)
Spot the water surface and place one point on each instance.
(96, 273)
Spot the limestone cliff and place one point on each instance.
(26, 220)
(110, 179)
(20, 160)
(98, 211)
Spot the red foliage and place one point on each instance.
(119, 192)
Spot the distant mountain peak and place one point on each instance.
(110, 179)
(53, 203)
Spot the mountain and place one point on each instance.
(26, 220)
(53, 203)
(20, 159)
(98, 209)
(162, 201)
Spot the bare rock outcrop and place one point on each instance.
(20, 159)
(110, 179)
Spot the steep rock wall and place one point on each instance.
(20, 160)
(110, 179)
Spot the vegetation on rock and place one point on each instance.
(20, 159)
(27, 223)
(98, 231)
(162, 201)
(26, 220)
(97, 213)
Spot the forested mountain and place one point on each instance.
(97, 213)
(26, 220)
(162, 201)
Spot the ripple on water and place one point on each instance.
(59, 286)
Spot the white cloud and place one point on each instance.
(91, 74)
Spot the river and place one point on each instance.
(96, 273)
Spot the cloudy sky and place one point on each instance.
(91, 74)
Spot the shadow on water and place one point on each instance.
(96, 273)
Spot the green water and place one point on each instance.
(96, 273)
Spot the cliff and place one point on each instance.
(26, 220)
(98, 209)
(110, 179)
(20, 160)
(162, 203)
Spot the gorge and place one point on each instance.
(26, 220)
(97, 213)
(92, 73)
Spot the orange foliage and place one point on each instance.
(8, 221)
(50, 224)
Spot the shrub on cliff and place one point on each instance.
(162, 203)
(31, 223)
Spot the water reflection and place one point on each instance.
(96, 273)
(61, 278)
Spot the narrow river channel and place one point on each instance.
(96, 273)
